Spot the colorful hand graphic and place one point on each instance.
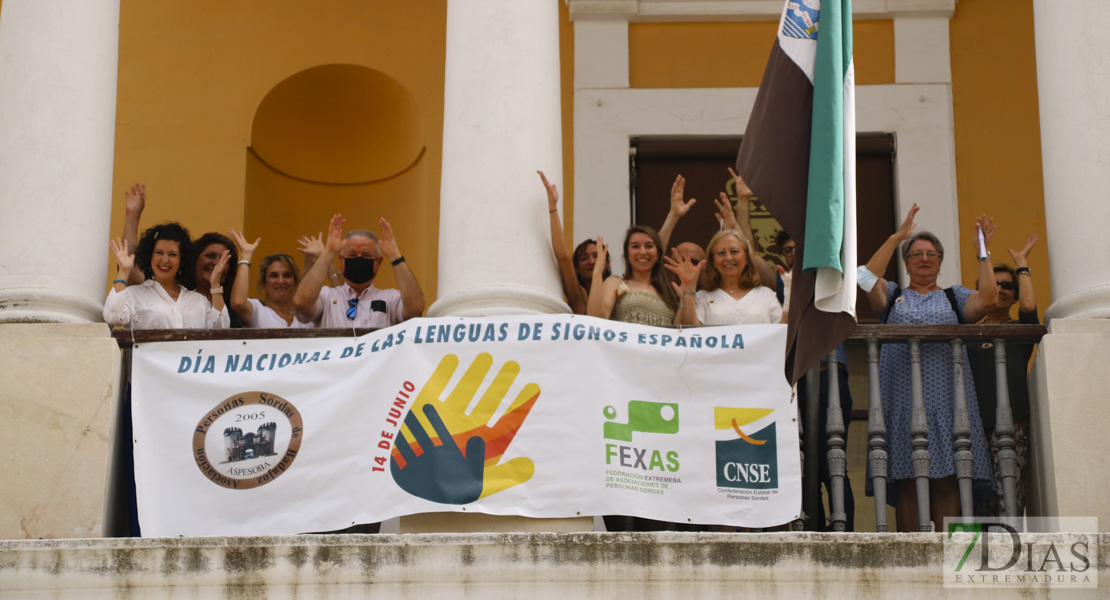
(441, 473)
(415, 451)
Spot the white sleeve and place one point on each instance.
(701, 306)
(117, 308)
(217, 319)
(396, 308)
(256, 306)
(774, 309)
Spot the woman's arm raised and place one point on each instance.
(878, 263)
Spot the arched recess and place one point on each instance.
(338, 139)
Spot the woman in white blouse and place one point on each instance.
(160, 302)
(731, 293)
(278, 282)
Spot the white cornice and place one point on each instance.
(740, 10)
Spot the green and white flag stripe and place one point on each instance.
(830, 199)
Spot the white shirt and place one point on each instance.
(265, 317)
(148, 306)
(376, 308)
(758, 306)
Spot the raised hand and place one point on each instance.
(220, 268)
(335, 234)
(124, 259)
(679, 205)
(725, 215)
(245, 250)
(986, 225)
(135, 200)
(742, 189)
(388, 244)
(907, 226)
(552, 192)
(687, 270)
(602, 258)
(456, 425)
(1020, 257)
(311, 246)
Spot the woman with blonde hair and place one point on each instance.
(732, 292)
(277, 283)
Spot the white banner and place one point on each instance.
(540, 416)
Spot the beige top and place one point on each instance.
(641, 308)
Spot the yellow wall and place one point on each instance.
(715, 55)
(192, 76)
(566, 64)
(998, 141)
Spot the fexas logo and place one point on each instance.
(247, 440)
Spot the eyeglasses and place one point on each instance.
(919, 255)
(1007, 285)
(353, 308)
(788, 251)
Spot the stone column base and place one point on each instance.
(502, 299)
(1069, 451)
(57, 401)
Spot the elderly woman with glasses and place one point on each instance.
(923, 302)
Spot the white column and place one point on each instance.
(1069, 374)
(58, 63)
(1073, 82)
(501, 123)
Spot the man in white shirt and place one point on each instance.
(357, 303)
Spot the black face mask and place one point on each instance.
(358, 270)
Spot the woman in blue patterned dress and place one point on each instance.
(923, 302)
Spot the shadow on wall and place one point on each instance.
(337, 138)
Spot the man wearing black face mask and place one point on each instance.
(357, 303)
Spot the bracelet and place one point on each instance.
(124, 281)
(685, 293)
(553, 210)
(399, 260)
(1023, 271)
(245, 262)
(217, 290)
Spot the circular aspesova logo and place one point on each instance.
(248, 440)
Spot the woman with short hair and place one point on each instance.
(924, 302)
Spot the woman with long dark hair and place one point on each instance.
(162, 301)
(644, 295)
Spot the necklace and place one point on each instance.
(287, 315)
